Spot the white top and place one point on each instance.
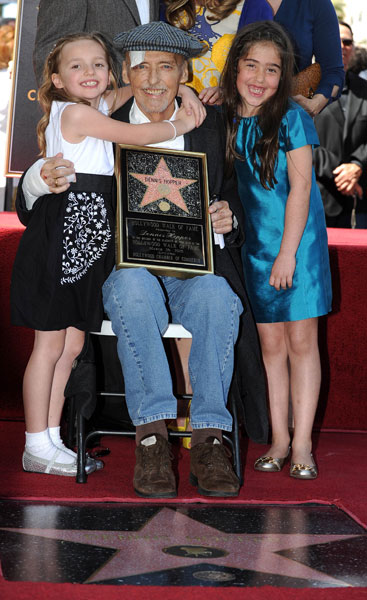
(136, 117)
(89, 156)
(33, 184)
(143, 8)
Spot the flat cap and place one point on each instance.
(160, 37)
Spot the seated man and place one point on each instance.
(140, 304)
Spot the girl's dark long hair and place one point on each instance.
(48, 93)
(183, 12)
(265, 151)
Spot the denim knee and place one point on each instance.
(215, 295)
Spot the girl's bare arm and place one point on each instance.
(79, 121)
(299, 164)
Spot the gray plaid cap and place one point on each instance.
(159, 37)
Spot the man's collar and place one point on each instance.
(137, 116)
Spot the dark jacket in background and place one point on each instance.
(57, 18)
(343, 139)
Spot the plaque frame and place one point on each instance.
(190, 226)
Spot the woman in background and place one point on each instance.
(216, 22)
(313, 28)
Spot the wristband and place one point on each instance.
(174, 130)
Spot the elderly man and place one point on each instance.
(341, 159)
(140, 304)
(56, 19)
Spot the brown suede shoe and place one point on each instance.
(211, 470)
(153, 475)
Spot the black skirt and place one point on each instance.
(64, 256)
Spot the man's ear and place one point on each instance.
(185, 72)
(125, 73)
(56, 80)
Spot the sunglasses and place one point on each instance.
(346, 42)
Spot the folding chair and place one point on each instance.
(83, 397)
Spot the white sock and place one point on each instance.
(57, 441)
(41, 445)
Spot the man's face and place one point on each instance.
(155, 81)
(346, 39)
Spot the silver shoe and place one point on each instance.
(98, 464)
(268, 464)
(90, 463)
(34, 464)
(300, 471)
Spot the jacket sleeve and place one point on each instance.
(325, 162)
(359, 155)
(56, 19)
(327, 48)
(229, 192)
(24, 214)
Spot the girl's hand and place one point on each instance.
(184, 122)
(282, 271)
(211, 95)
(192, 104)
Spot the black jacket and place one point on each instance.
(343, 139)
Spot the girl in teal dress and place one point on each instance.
(285, 255)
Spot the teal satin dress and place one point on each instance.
(310, 294)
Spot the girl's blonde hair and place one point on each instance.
(6, 45)
(48, 93)
(176, 9)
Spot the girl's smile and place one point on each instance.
(83, 71)
(258, 77)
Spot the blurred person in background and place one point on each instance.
(341, 159)
(312, 26)
(358, 62)
(216, 23)
(57, 19)
(6, 55)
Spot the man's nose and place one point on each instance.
(153, 75)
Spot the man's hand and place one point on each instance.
(55, 171)
(346, 177)
(221, 216)
(282, 271)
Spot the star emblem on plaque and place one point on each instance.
(163, 188)
(162, 220)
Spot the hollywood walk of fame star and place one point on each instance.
(149, 549)
(161, 184)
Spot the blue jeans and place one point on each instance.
(140, 306)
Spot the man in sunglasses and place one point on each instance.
(341, 159)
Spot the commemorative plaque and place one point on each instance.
(163, 221)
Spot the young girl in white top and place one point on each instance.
(67, 249)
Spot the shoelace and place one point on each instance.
(150, 454)
(217, 456)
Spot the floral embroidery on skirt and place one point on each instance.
(86, 234)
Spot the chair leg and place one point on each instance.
(235, 435)
(81, 476)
